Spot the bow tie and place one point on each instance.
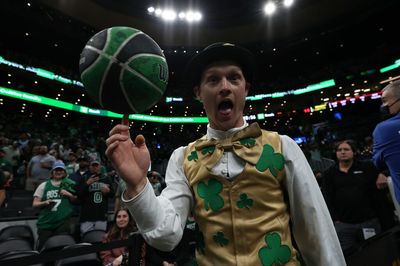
(242, 143)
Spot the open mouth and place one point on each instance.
(225, 106)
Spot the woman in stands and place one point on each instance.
(54, 197)
(122, 227)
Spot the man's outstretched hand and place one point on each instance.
(130, 159)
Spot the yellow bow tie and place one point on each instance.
(243, 143)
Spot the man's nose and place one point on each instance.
(225, 86)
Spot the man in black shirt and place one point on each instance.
(352, 197)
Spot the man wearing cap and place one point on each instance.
(250, 190)
(54, 198)
(94, 191)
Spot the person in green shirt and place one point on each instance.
(54, 197)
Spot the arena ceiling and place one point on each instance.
(313, 41)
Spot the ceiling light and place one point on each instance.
(269, 8)
(288, 3)
(181, 15)
(158, 12)
(151, 9)
(169, 15)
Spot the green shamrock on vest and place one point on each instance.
(248, 142)
(270, 160)
(209, 150)
(244, 202)
(200, 243)
(210, 194)
(219, 238)
(193, 156)
(274, 253)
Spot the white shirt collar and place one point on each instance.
(220, 134)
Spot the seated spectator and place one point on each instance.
(354, 202)
(54, 198)
(123, 225)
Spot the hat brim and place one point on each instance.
(243, 57)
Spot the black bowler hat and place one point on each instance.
(218, 52)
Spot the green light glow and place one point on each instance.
(314, 87)
(41, 72)
(388, 68)
(91, 111)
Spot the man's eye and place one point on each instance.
(212, 79)
(234, 77)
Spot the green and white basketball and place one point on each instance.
(123, 70)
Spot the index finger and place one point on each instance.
(125, 120)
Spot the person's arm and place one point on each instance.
(312, 227)
(2, 196)
(162, 219)
(38, 201)
(73, 198)
(29, 170)
(107, 256)
(378, 156)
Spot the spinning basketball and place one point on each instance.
(123, 70)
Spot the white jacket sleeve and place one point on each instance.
(313, 228)
(161, 220)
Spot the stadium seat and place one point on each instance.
(90, 259)
(14, 244)
(93, 236)
(57, 242)
(19, 254)
(17, 231)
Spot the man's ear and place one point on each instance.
(196, 91)
(247, 88)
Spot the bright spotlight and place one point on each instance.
(158, 12)
(169, 15)
(150, 9)
(288, 3)
(182, 15)
(190, 16)
(197, 16)
(269, 8)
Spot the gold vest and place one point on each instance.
(244, 221)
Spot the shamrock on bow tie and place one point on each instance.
(241, 143)
(193, 156)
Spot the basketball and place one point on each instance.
(123, 70)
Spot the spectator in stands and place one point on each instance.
(94, 191)
(236, 170)
(83, 167)
(3, 161)
(386, 136)
(353, 200)
(39, 168)
(54, 197)
(73, 164)
(3, 181)
(318, 166)
(155, 179)
(123, 225)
